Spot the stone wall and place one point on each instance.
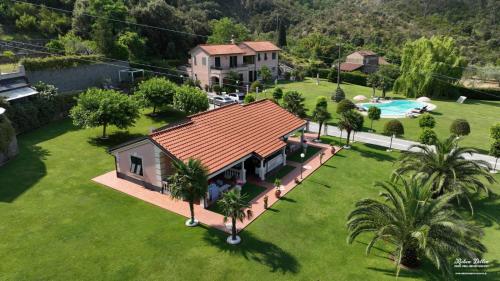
(12, 151)
(80, 77)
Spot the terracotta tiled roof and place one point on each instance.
(222, 136)
(366, 53)
(382, 61)
(261, 46)
(226, 49)
(347, 66)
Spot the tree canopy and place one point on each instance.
(156, 92)
(428, 66)
(293, 101)
(225, 29)
(98, 107)
(190, 100)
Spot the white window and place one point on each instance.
(136, 165)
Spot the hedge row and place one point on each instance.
(477, 94)
(59, 62)
(355, 77)
(38, 111)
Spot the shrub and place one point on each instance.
(345, 105)
(190, 100)
(495, 132)
(217, 89)
(321, 101)
(460, 127)
(255, 85)
(427, 121)
(26, 22)
(394, 127)
(339, 95)
(278, 93)
(428, 136)
(286, 76)
(249, 98)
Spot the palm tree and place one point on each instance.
(416, 224)
(447, 164)
(233, 206)
(350, 121)
(189, 183)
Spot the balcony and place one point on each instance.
(227, 69)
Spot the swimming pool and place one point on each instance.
(396, 108)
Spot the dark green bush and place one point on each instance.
(460, 127)
(428, 136)
(355, 77)
(344, 106)
(427, 121)
(394, 127)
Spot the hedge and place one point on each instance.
(477, 94)
(356, 77)
(59, 62)
(33, 113)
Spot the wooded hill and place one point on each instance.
(313, 27)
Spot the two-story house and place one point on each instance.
(365, 61)
(211, 64)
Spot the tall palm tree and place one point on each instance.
(447, 164)
(416, 224)
(190, 182)
(233, 206)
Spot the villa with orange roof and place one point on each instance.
(211, 64)
(232, 142)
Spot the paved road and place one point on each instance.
(385, 141)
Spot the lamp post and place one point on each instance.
(302, 155)
(182, 79)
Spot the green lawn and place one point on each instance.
(248, 190)
(311, 150)
(280, 173)
(480, 114)
(56, 224)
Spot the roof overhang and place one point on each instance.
(18, 93)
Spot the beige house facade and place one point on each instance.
(212, 64)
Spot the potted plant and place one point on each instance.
(266, 198)
(277, 185)
(332, 145)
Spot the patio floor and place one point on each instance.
(208, 217)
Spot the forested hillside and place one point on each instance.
(312, 27)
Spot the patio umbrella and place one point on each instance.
(2, 110)
(359, 98)
(424, 99)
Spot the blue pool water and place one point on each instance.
(395, 108)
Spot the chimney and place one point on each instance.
(232, 39)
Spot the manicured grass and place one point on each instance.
(311, 150)
(280, 173)
(248, 191)
(56, 224)
(480, 114)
